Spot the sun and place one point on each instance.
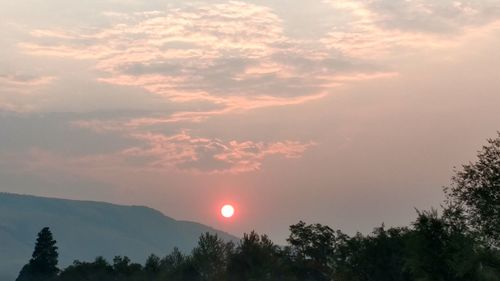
(227, 211)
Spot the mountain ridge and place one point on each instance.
(86, 229)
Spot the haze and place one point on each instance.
(340, 112)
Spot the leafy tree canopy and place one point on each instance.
(473, 198)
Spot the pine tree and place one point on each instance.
(43, 264)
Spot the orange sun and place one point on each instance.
(227, 211)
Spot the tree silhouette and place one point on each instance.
(124, 268)
(427, 248)
(376, 257)
(313, 248)
(210, 257)
(255, 258)
(152, 264)
(43, 264)
(438, 251)
(473, 199)
(98, 270)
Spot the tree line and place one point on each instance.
(461, 244)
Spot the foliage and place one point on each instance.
(379, 256)
(43, 264)
(256, 258)
(210, 257)
(312, 248)
(473, 198)
(430, 249)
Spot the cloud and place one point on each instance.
(440, 17)
(215, 59)
(5, 106)
(180, 152)
(382, 28)
(236, 54)
(185, 152)
(232, 105)
(15, 89)
(14, 84)
(232, 54)
(25, 80)
(111, 146)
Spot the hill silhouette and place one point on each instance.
(86, 229)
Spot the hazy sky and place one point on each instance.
(344, 112)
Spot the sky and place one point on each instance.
(350, 113)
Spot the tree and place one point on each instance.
(437, 251)
(473, 199)
(152, 264)
(426, 248)
(256, 258)
(98, 270)
(210, 257)
(312, 248)
(376, 257)
(43, 264)
(124, 268)
(172, 261)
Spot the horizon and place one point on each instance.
(348, 113)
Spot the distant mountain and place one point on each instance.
(85, 230)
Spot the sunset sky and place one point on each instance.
(345, 112)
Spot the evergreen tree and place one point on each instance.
(43, 264)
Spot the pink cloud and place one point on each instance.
(16, 89)
(248, 156)
(180, 152)
(100, 126)
(233, 105)
(25, 80)
(377, 33)
(234, 55)
(184, 152)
